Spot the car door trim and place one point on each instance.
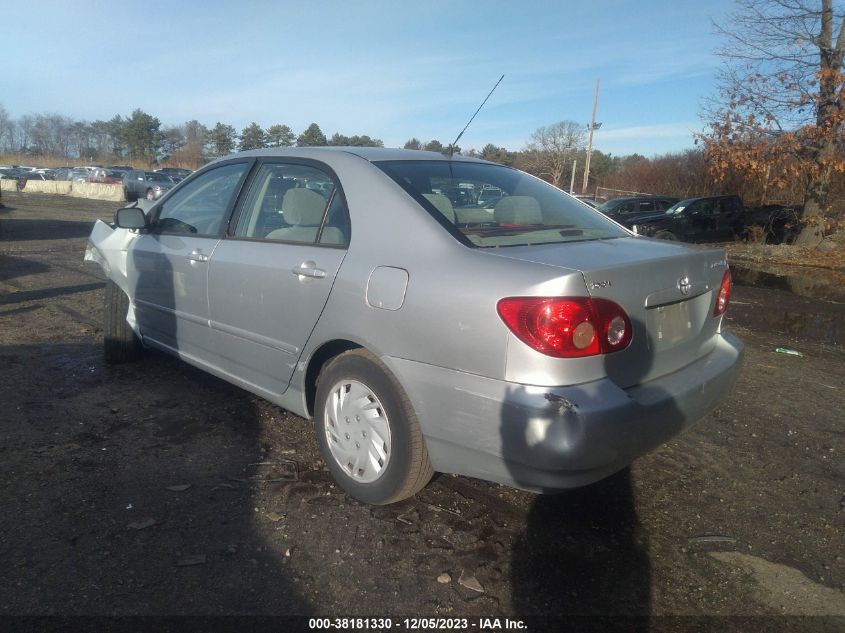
(179, 314)
(265, 341)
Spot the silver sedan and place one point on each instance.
(535, 343)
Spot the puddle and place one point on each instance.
(813, 310)
(820, 284)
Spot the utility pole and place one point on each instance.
(572, 179)
(593, 127)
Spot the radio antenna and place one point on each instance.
(455, 142)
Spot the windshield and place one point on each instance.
(527, 210)
(679, 206)
(608, 206)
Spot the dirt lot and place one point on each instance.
(155, 489)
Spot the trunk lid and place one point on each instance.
(667, 289)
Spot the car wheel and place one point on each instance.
(151, 194)
(367, 430)
(666, 235)
(120, 344)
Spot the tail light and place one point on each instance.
(567, 327)
(724, 295)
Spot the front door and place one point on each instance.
(168, 265)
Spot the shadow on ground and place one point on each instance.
(583, 552)
(139, 501)
(20, 229)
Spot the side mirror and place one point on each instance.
(130, 218)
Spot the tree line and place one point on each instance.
(142, 137)
(553, 153)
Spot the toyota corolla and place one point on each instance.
(538, 344)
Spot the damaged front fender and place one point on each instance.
(109, 247)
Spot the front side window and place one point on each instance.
(704, 207)
(528, 211)
(201, 206)
(293, 203)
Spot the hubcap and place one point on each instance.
(357, 430)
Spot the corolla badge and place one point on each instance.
(684, 285)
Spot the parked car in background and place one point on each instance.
(543, 347)
(489, 196)
(586, 199)
(21, 175)
(176, 173)
(63, 173)
(121, 167)
(80, 174)
(146, 184)
(104, 176)
(8, 173)
(626, 210)
(706, 219)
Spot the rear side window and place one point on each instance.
(290, 202)
(525, 210)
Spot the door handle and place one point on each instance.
(309, 269)
(198, 256)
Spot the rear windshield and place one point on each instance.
(526, 210)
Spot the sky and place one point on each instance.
(391, 69)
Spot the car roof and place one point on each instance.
(372, 154)
(719, 197)
(650, 197)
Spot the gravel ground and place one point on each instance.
(154, 489)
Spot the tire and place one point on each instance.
(403, 466)
(150, 195)
(120, 344)
(666, 235)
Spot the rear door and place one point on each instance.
(270, 278)
(168, 266)
(701, 220)
(728, 218)
(135, 183)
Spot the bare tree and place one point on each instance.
(781, 106)
(193, 151)
(6, 129)
(23, 134)
(549, 151)
(50, 135)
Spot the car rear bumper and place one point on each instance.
(551, 438)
